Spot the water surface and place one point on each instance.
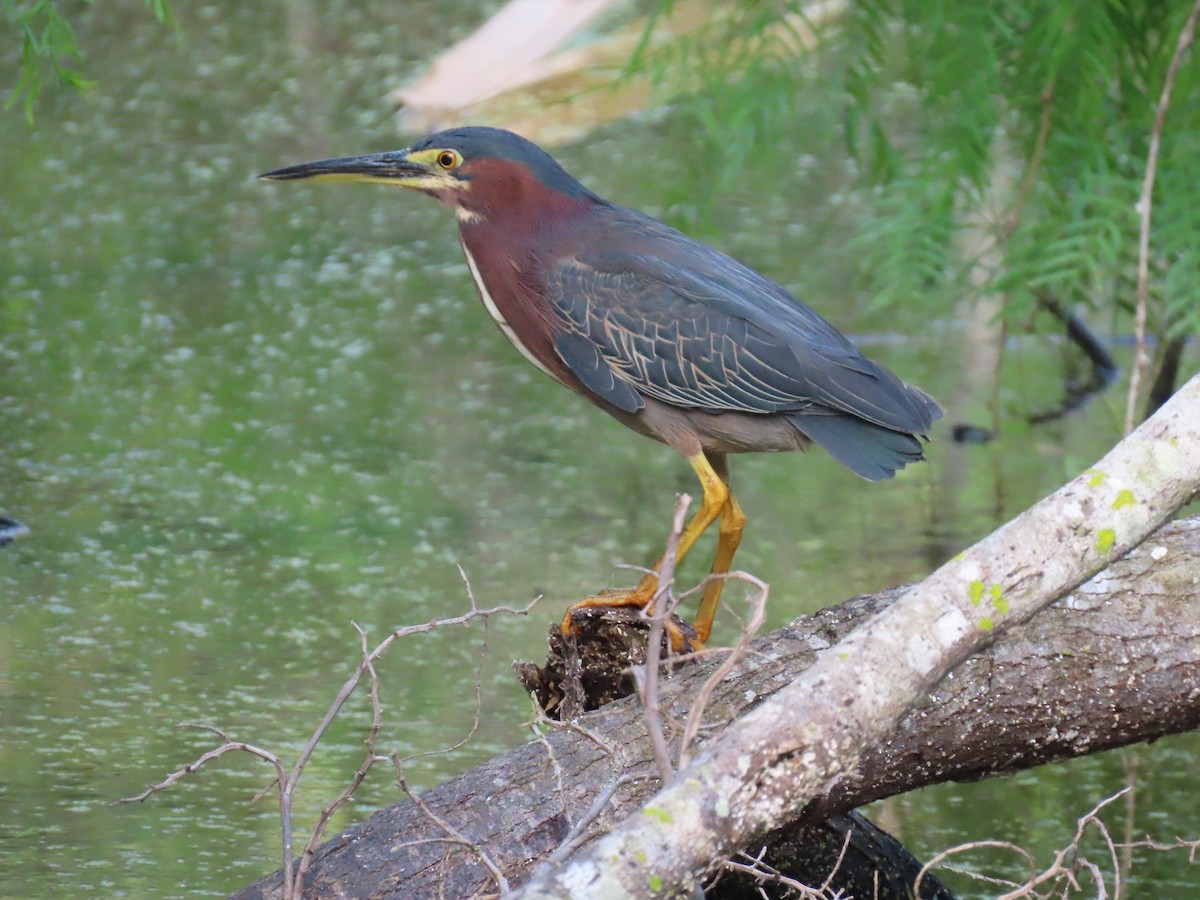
(240, 417)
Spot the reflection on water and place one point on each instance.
(238, 419)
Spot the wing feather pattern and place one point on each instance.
(669, 318)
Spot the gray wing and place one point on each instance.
(692, 341)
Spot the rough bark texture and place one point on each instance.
(1115, 662)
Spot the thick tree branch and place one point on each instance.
(1116, 662)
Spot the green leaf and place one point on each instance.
(48, 42)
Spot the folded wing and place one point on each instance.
(677, 321)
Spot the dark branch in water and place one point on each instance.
(1104, 367)
(10, 530)
(1104, 372)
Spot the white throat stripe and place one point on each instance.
(497, 316)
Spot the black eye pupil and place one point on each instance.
(447, 160)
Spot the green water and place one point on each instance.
(240, 417)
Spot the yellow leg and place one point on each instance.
(733, 521)
(716, 499)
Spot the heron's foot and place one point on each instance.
(639, 597)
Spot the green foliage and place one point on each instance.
(1177, 236)
(733, 113)
(1011, 135)
(908, 234)
(48, 42)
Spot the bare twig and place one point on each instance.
(366, 667)
(582, 832)
(1192, 847)
(352, 682)
(399, 762)
(535, 728)
(1144, 208)
(980, 876)
(661, 609)
(825, 885)
(595, 737)
(229, 746)
(610, 749)
(453, 834)
(1067, 861)
(758, 609)
(1097, 876)
(285, 781)
(966, 847)
(764, 873)
(306, 857)
(478, 714)
(581, 829)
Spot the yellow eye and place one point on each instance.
(449, 159)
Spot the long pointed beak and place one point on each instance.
(393, 167)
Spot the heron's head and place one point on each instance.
(476, 171)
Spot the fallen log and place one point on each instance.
(1115, 662)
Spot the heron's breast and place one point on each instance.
(517, 315)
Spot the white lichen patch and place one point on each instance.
(970, 571)
(1072, 512)
(1158, 553)
(948, 628)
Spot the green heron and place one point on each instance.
(672, 338)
